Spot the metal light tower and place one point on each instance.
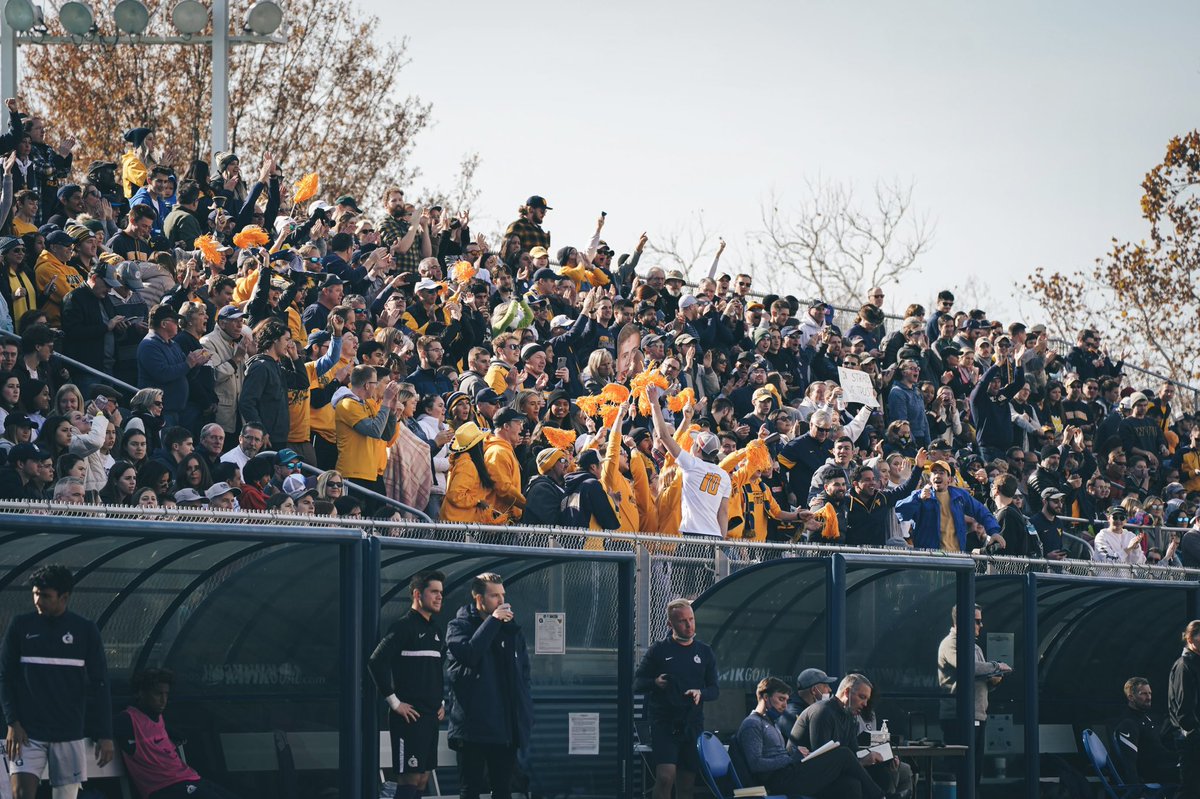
(22, 23)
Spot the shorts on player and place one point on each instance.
(67, 759)
(5, 782)
(414, 744)
(674, 744)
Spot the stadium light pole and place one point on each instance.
(22, 23)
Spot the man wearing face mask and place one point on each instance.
(677, 675)
(812, 686)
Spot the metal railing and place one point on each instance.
(80, 366)
(366, 493)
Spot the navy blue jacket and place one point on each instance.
(488, 667)
(162, 364)
(687, 668)
(428, 381)
(54, 678)
(993, 417)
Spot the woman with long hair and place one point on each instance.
(431, 417)
(17, 286)
(408, 476)
(331, 485)
(35, 398)
(147, 406)
(121, 483)
(470, 489)
(199, 173)
(56, 435)
(459, 409)
(143, 497)
(10, 395)
(155, 475)
(134, 447)
(599, 371)
(68, 399)
(192, 472)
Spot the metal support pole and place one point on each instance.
(371, 633)
(350, 737)
(220, 76)
(964, 675)
(8, 59)
(641, 605)
(625, 613)
(835, 612)
(720, 565)
(1033, 760)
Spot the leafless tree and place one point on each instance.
(837, 247)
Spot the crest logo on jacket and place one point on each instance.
(68, 639)
(696, 658)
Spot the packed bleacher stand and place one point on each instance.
(479, 381)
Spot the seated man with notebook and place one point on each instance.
(761, 757)
(836, 719)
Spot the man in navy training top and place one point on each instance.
(407, 669)
(677, 674)
(54, 690)
(150, 753)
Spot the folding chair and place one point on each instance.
(1110, 778)
(715, 765)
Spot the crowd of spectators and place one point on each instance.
(505, 381)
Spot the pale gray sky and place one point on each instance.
(1026, 127)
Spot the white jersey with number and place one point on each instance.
(704, 486)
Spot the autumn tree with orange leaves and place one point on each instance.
(327, 101)
(1142, 296)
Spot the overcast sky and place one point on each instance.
(1025, 127)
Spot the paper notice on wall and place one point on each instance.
(583, 733)
(857, 387)
(550, 634)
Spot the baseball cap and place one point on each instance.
(130, 274)
(810, 677)
(756, 306)
(1174, 490)
(945, 467)
(346, 199)
(687, 302)
(230, 312)
(59, 238)
(318, 337)
(188, 495)
(562, 320)
(295, 486)
(539, 252)
(790, 331)
(425, 284)
(537, 201)
(709, 444)
(545, 273)
(685, 338)
(487, 395)
(287, 457)
(107, 273)
(161, 313)
(220, 490)
(1052, 493)
(506, 415)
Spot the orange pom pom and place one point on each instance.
(209, 248)
(590, 405)
(462, 272)
(251, 236)
(615, 392)
(639, 384)
(758, 457)
(678, 402)
(306, 188)
(559, 438)
(610, 415)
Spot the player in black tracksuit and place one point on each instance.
(678, 675)
(54, 677)
(407, 670)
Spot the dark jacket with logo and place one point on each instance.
(488, 667)
(408, 662)
(867, 520)
(54, 678)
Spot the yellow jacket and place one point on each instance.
(1190, 470)
(502, 465)
(359, 457)
(750, 498)
(133, 173)
(582, 272)
(65, 279)
(464, 493)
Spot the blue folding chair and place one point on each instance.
(1110, 777)
(715, 765)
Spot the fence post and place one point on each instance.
(641, 594)
(720, 565)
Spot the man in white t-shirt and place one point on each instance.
(706, 486)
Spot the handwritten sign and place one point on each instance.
(857, 387)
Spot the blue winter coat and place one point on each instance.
(488, 665)
(927, 513)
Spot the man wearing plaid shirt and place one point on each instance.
(529, 226)
(409, 243)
